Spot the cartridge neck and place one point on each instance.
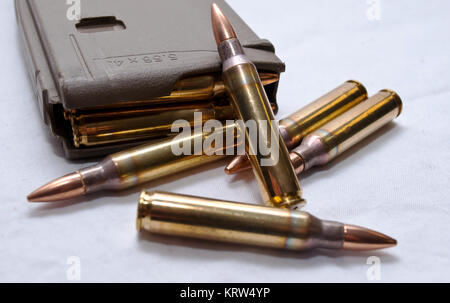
(315, 233)
(231, 53)
(286, 133)
(312, 152)
(230, 48)
(331, 236)
(102, 176)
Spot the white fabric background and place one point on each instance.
(396, 182)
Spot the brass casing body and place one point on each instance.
(316, 114)
(152, 161)
(91, 129)
(208, 219)
(332, 139)
(278, 183)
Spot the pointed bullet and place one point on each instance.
(67, 187)
(360, 238)
(222, 28)
(237, 165)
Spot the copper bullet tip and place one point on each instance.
(237, 165)
(360, 238)
(64, 188)
(221, 25)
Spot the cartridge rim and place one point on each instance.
(396, 98)
(140, 215)
(360, 86)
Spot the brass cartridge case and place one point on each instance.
(216, 220)
(90, 129)
(273, 169)
(331, 105)
(332, 139)
(151, 161)
(278, 183)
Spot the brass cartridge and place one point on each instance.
(207, 219)
(138, 165)
(277, 181)
(152, 161)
